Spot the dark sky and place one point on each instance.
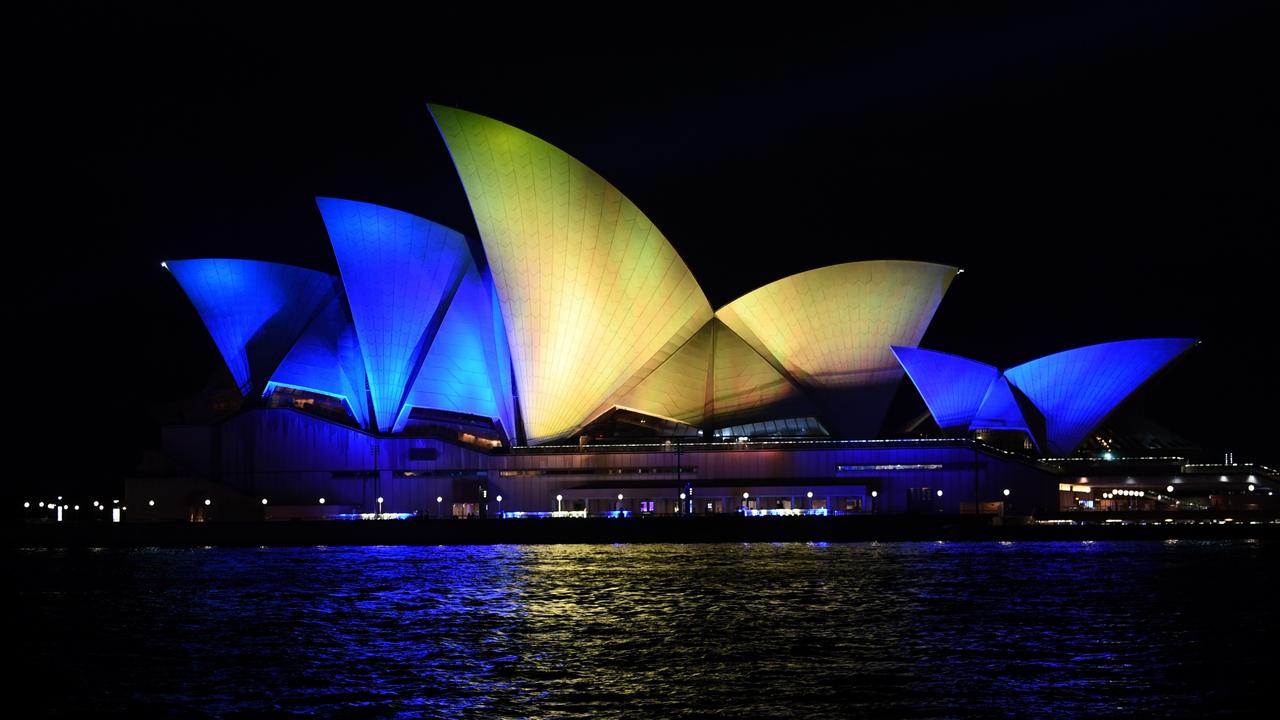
(1101, 171)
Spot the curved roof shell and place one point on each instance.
(254, 310)
(327, 360)
(953, 387)
(400, 273)
(1057, 399)
(1076, 389)
(830, 329)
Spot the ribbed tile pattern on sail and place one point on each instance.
(455, 372)
(397, 270)
(254, 310)
(590, 290)
(678, 388)
(500, 363)
(326, 359)
(1077, 389)
(952, 386)
(745, 387)
(999, 410)
(832, 327)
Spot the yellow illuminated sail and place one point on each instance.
(593, 296)
(830, 329)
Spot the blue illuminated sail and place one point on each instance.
(400, 273)
(952, 387)
(1076, 389)
(254, 310)
(455, 375)
(326, 359)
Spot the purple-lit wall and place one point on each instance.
(292, 458)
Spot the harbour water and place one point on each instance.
(952, 629)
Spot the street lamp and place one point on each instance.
(619, 502)
(560, 500)
(680, 508)
(151, 503)
(1006, 492)
(379, 504)
(1168, 488)
(207, 503)
(264, 501)
(439, 500)
(499, 499)
(745, 496)
(321, 501)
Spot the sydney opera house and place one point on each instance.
(566, 361)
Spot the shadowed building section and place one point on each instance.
(593, 297)
(830, 329)
(952, 387)
(255, 311)
(400, 273)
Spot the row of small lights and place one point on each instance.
(745, 496)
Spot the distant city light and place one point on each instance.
(1108, 456)
(41, 503)
(28, 504)
(1168, 488)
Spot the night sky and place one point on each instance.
(1100, 171)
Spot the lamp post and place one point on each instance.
(379, 505)
(499, 499)
(619, 508)
(745, 497)
(559, 502)
(439, 499)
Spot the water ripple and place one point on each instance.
(756, 630)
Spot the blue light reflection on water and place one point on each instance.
(822, 630)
